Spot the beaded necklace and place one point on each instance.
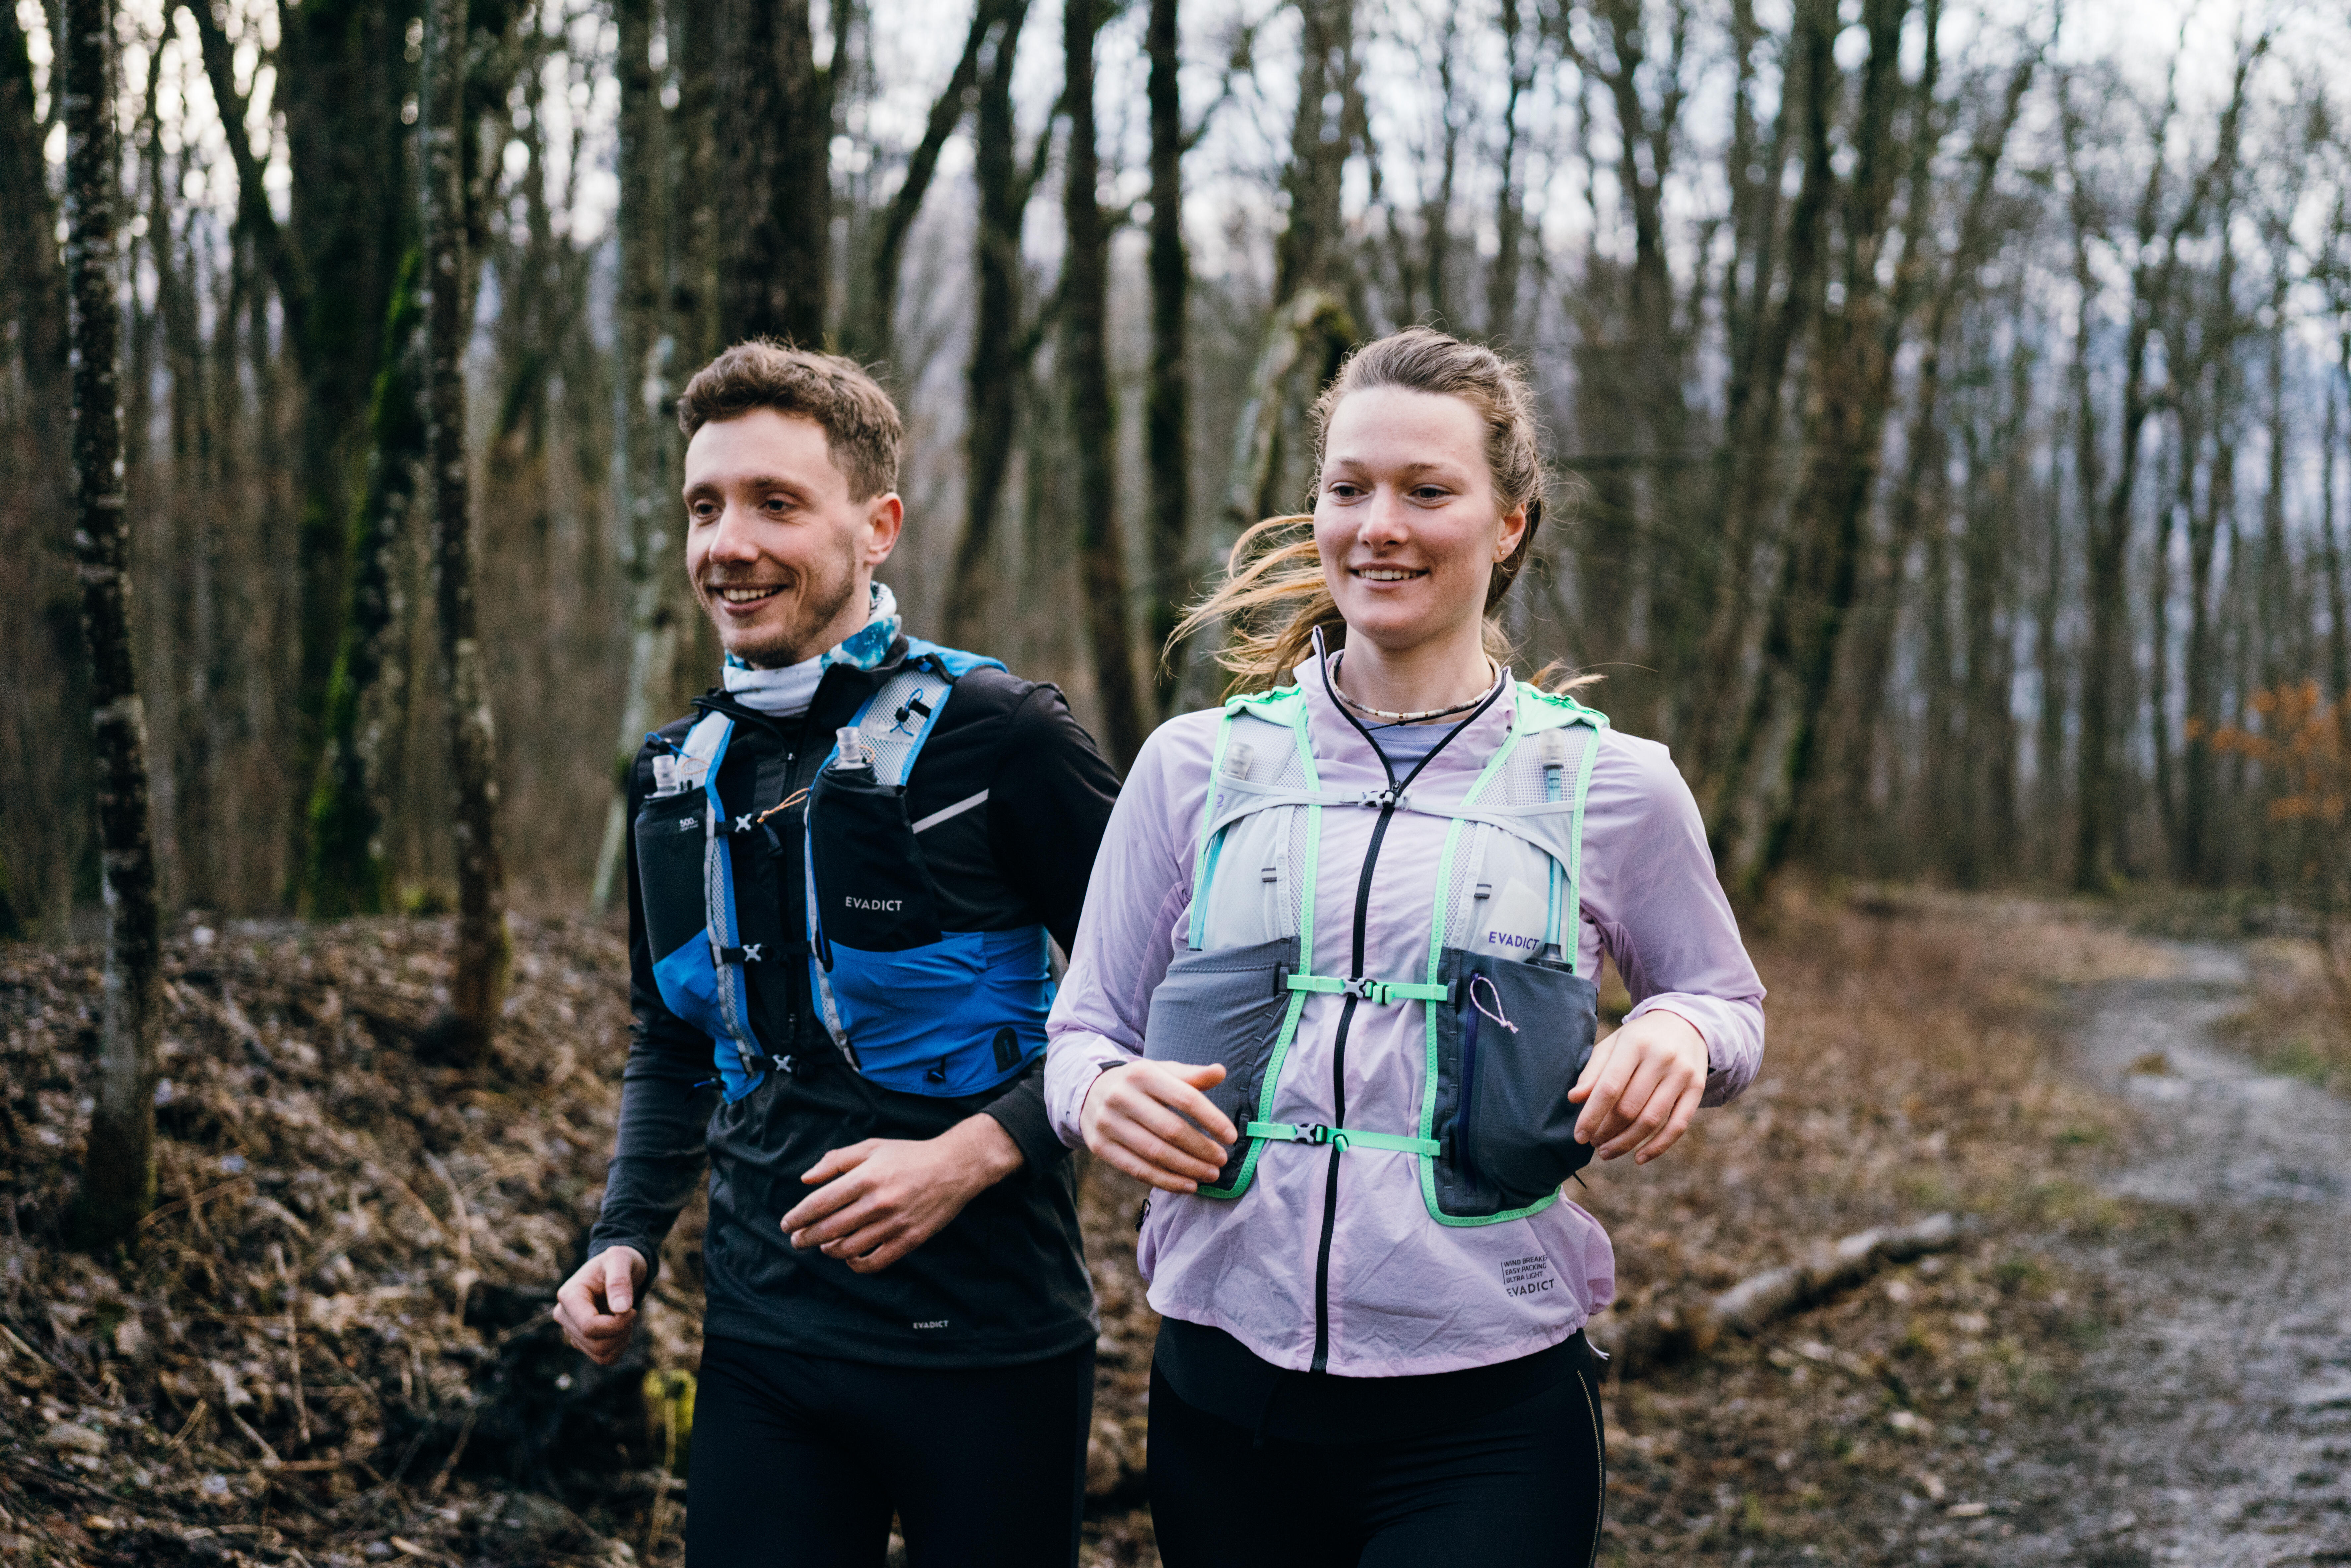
(1338, 659)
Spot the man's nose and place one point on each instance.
(731, 540)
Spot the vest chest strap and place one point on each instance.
(1379, 993)
(1341, 1137)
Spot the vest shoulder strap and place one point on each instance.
(899, 717)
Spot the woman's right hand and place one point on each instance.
(1150, 1120)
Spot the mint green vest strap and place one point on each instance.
(1380, 993)
(1341, 1137)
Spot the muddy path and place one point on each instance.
(2212, 1425)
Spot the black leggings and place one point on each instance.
(1523, 1485)
(799, 1461)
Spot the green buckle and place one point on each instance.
(1379, 993)
(1316, 1134)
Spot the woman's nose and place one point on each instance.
(1383, 519)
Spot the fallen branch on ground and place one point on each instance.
(1676, 1333)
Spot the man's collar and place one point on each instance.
(786, 692)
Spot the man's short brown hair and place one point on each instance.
(861, 429)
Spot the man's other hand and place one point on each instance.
(598, 1305)
(878, 1200)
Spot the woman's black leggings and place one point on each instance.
(1522, 1485)
(799, 1461)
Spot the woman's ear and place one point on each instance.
(1514, 531)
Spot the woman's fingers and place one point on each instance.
(1602, 1085)
(1137, 1105)
(1642, 1108)
(1678, 1123)
(1145, 1143)
(1144, 1170)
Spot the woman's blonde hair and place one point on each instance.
(1274, 566)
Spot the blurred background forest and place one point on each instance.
(1950, 396)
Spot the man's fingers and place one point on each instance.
(837, 1161)
(845, 1220)
(1205, 1076)
(620, 1282)
(824, 1201)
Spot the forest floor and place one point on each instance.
(329, 1343)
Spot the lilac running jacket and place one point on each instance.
(1407, 1295)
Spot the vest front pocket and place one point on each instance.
(1510, 1046)
(872, 890)
(1224, 1005)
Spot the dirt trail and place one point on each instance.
(2214, 1425)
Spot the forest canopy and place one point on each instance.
(1951, 397)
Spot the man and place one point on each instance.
(898, 1316)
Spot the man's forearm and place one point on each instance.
(1021, 1112)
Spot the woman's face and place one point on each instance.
(1405, 517)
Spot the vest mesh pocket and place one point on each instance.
(1224, 1005)
(1509, 1049)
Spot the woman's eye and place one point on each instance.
(1344, 491)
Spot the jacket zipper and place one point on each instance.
(1347, 1012)
(1339, 1099)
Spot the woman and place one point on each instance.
(1332, 998)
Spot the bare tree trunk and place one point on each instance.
(998, 360)
(348, 870)
(1510, 200)
(118, 1163)
(1093, 413)
(872, 313)
(1779, 734)
(774, 133)
(2049, 656)
(2338, 634)
(484, 955)
(643, 490)
(1166, 416)
(1720, 746)
(1310, 326)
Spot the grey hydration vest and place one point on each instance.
(1509, 1023)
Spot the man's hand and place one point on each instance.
(1641, 1087)
(1151, 1121)
(881, 1198)
(598, 1305)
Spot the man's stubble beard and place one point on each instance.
(816, 606)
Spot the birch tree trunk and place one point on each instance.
(484, 955)
(118, 1163)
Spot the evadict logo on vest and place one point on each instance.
(876, 905)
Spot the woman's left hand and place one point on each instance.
(1641, 1087)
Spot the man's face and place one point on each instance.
(779, 555)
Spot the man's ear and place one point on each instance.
(885, 519)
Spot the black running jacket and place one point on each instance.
(1005, 1282)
